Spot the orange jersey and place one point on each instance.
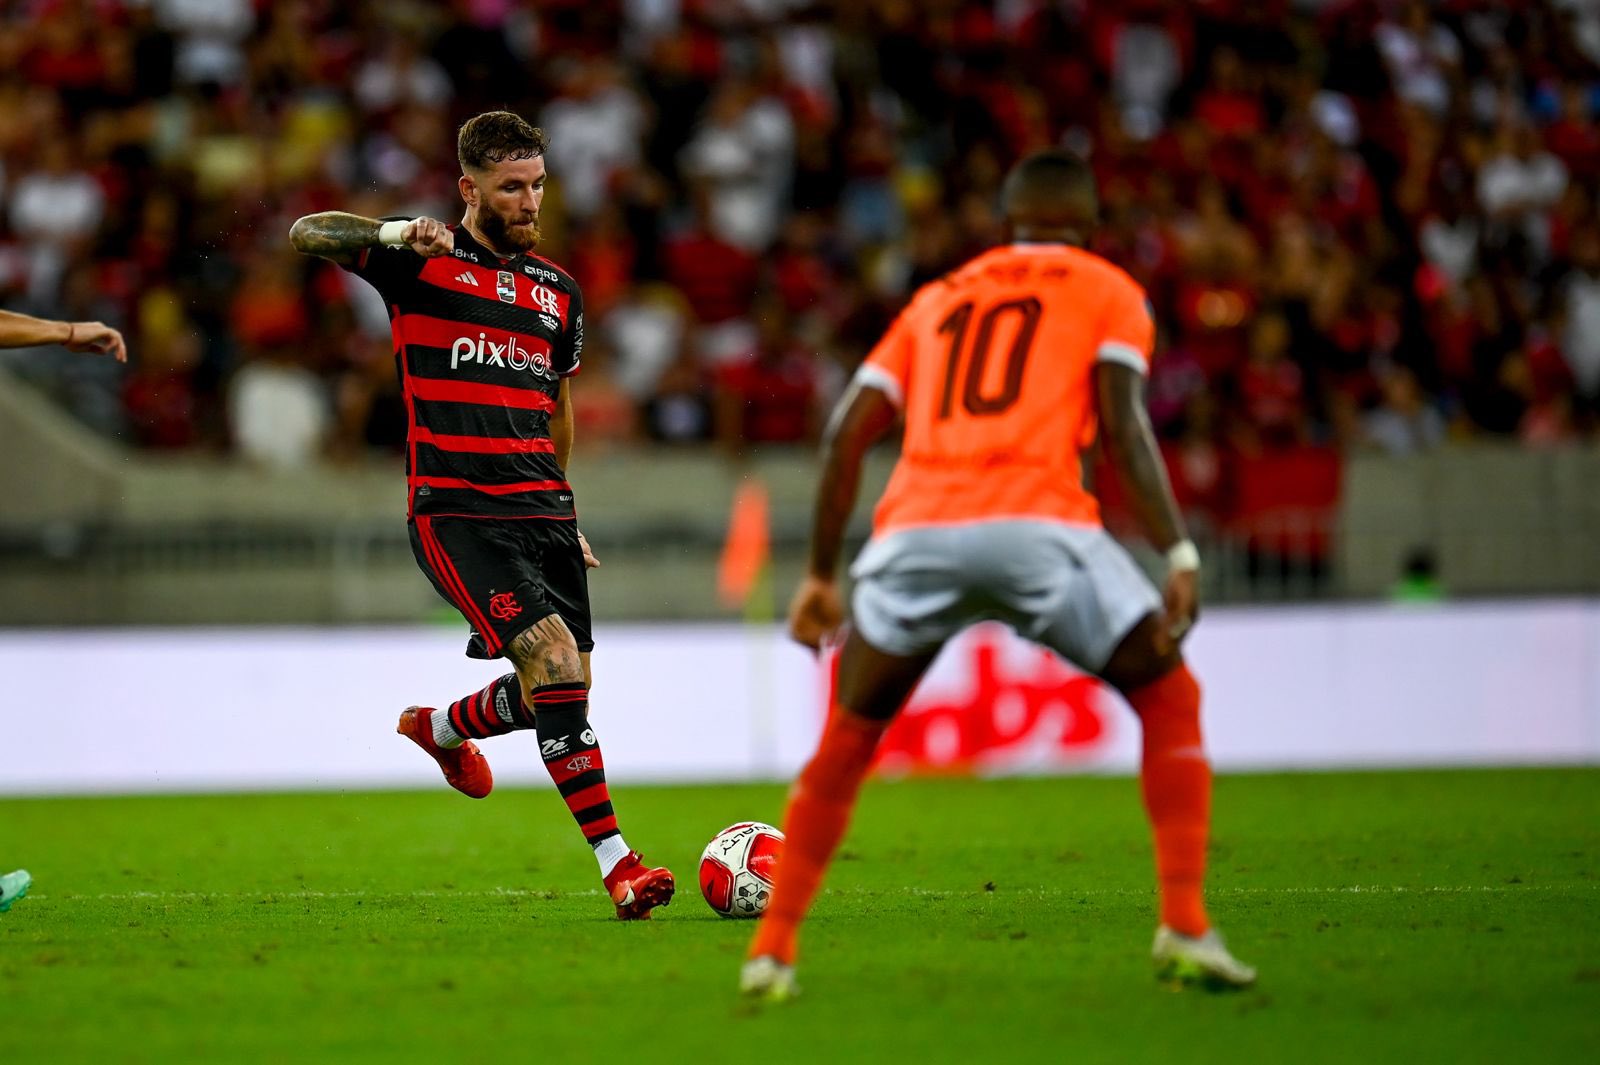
(993, 369)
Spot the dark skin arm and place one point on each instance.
(863, 416)
(1130, 443)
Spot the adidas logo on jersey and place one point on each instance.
(466, 278)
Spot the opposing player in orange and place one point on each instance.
(1004, 371)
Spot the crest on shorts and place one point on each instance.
(505, 286)
(504, 607)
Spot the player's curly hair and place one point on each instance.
(495, 136)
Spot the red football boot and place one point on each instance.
(637, 889)
(465, 767)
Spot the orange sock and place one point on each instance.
(1176, 782)
(814, 823)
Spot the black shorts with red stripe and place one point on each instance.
(505, 575)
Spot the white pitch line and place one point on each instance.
(1354, 889)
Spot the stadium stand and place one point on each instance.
(1367, 229)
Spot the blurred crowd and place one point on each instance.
(1362, 224)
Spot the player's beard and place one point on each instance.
(505, 236)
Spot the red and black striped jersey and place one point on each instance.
(482, 343)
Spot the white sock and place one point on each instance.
(443, 733)
(609, 852)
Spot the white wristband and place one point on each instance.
(391, 234)
(1183, 557)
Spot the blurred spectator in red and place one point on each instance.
(1269, 390)
(1176, 377)
(269, 310)
(602, 258)
(603, 413)
(159, 392)
(718, 281)
(1573, 137)
(772, 395)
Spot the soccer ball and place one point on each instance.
(736, 868)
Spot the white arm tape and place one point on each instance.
(390, 234)
(1183, 557)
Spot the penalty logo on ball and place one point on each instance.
(737, 866)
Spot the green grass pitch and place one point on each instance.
(1405, 917)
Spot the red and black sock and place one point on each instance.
(494, 711)
(572, 757)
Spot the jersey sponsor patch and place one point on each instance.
(507, 351)
(506, 286)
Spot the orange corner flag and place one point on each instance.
(748, 548)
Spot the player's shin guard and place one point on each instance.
(1176, 783)
(493, 711)
(813, 824)
(572, 757)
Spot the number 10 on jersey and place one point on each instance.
(956, 324)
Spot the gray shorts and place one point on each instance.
(1071, 588)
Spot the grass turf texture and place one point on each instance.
(1395, 917)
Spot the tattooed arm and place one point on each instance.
(341, 237)
(334, 235)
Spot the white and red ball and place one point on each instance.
(736, 868)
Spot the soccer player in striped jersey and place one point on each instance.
(486, 336)
(1003, 371)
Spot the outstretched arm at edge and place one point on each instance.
(24, 331)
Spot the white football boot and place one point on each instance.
(1199, 961)
(768, 979)
(12, 887)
